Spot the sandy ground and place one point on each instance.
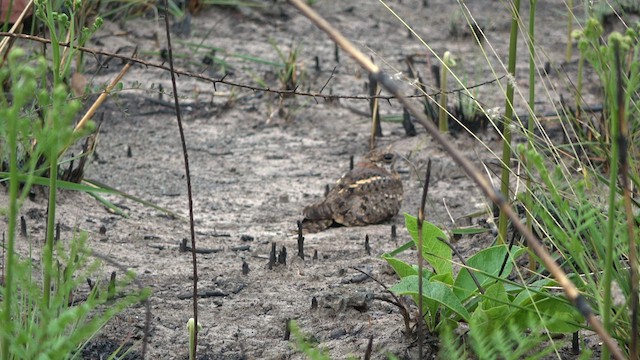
(254, 169)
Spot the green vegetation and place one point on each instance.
(43, 312)
(480, 292)
(594, 235)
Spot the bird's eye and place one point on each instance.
(387, 157)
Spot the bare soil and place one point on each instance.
(257, 159)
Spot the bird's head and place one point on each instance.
(383, 157)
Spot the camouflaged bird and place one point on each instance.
(368, 194)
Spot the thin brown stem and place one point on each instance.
(423, 202)
(188, 177)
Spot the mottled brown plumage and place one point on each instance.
(369, 194)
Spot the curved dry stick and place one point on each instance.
(496, 197)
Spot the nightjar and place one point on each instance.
(368, 194)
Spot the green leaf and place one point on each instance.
(404, 269)
(447, 323)
(408, 245)
(494, 296)
(487, 265)
(66, 185)
(443, 278)
(561, 317)
(437, 253)
(493, 310)
(489, 319)
(558, 315)
(532, 290)
(433, 291)
(400, 267)
(91, 187)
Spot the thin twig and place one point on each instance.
(423, 202)
(188, 177)
(506, 255)
(401, 304)
(328, 80)
(496, 197)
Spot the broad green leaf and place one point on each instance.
(404, 269)
(443, 278)
(434, 291)
(535, 290)
(400, 267)
(493, 310)
(437, 253)
(495, 295)
(446, 323)
(487, 320)
(487, 264)
(559, 316)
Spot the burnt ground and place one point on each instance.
(257, 159)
